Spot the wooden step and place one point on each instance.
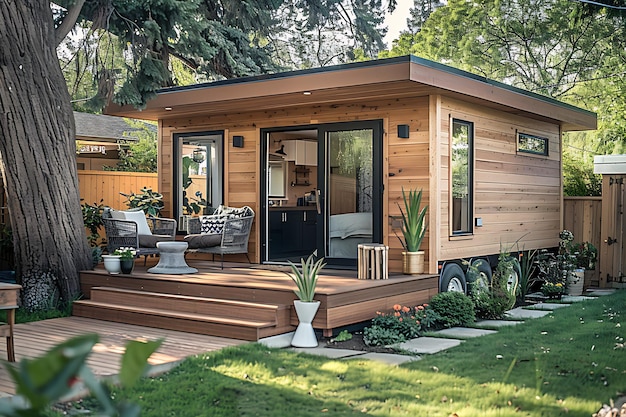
(197, 305)
(244, 329)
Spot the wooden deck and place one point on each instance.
(241, 301)
(34, 339)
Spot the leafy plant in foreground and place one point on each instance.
(305, 278)
(454, 308)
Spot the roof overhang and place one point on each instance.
(393, 78)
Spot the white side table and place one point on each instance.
(172, 259)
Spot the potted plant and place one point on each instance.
(305, 279)
(127, 259)
(413, 230)
(112, 263)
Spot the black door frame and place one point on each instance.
(378, 188)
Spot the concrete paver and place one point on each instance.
(575, 298)
(388, 358)
(497, 323)
(546, 306)
(427, 345)
(601, 292)
(464, 332)
(522, 313)
(329, 352)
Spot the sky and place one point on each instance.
(396, 22)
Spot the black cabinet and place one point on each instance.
(292, 233)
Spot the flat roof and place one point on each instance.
(406, 76)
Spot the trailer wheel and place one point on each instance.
(512, 280)
(478, 277)
(452, 279)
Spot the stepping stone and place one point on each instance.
(522, 313)
(496, 323)
(601, 292)
(329, 352)
(388, 358)
(546, 306)
(575, 298)
(279, 341)
(428, 345)
(464, 332)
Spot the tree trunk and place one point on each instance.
(37, 157)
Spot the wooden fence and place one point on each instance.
(582, 216)
(107, 186)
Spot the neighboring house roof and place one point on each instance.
(101, 127)
(392, 78)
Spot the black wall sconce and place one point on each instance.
(237, 141)
(403, 131)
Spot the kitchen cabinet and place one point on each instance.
(292, 233)
(301, 152)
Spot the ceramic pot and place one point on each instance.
(575, 285)
(127, 265)
(305, 335)
(112, 263)
(413, 262)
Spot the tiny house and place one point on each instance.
(322, 156)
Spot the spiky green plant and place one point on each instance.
(305, 277)
(413, 226)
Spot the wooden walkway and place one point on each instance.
(34, 339)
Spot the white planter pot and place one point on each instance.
(112, 263)
(305, 335)
(575, 285)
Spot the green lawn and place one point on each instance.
(567, 363)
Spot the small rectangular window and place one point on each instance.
(462, 169)
(532, 144)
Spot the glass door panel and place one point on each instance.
(352, 204)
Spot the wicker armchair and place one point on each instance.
(127, 229)
(231, 238)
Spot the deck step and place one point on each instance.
(190, 304)
(244, 329)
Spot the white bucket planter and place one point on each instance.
(305, 335)
(112, 263)
(575, 285)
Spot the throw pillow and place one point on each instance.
(140, 218)
(212, 225)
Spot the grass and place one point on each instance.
(565, 364)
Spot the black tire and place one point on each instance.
(478, 277)
(452, 279)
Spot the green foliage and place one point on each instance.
(150, 202)
(491, 304)
(401, 324)
(504, 286)
(557, 268)
(579, 179)
(453, 308)
(413, 224)
(92, 218)
(141, 155)
(305, 278)
(343, 336)
(528, 278)
(44, 381)
(585, 253)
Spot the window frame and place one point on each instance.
(546, 141)
(470, 180)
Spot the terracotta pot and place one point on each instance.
(413, 262)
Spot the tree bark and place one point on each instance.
(37, 151)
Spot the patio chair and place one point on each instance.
(134, 229)
(226, 232)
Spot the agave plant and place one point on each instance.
(305, 277)
(413, 225)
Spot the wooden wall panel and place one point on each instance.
(518, 197)
(107, 185)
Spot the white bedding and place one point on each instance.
(347, 231)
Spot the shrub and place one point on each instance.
(401, 324)
(454, 308)
(491, 304)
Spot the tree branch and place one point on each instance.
(68, 22)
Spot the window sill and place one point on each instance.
(464, 236)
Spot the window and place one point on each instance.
(462, 167)
(532, 144)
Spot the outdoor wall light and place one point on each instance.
(403, 131)
(237, 141)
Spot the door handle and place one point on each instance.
(610, 241)
(317, 201)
